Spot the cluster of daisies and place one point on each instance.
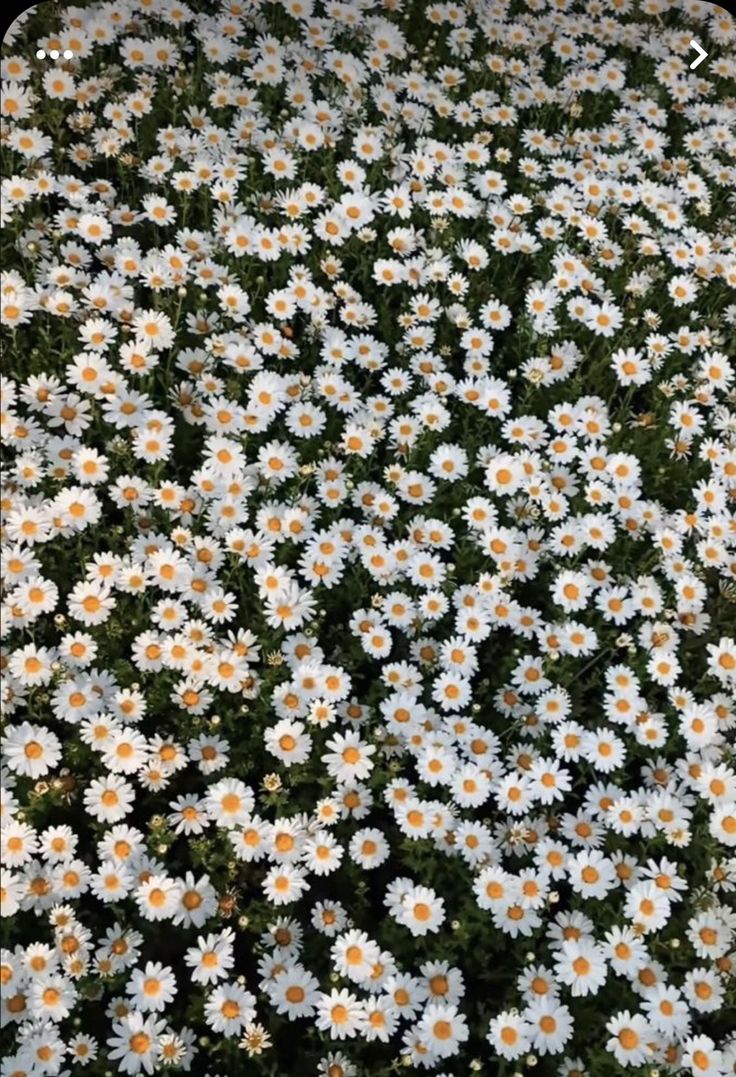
(368, 542)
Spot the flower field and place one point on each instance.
(369, 539)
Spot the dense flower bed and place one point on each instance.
(369, 547)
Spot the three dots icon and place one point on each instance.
(54, 54)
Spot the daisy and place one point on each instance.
(111, 882)
(212, 958)
(83, 1049)
(43, 1047)
(510, 1035)
(151, 988)
(229, 1008)
(329, 918)
(229, 802)
(442, 1029)
(421, 910)
(294, 992)
(288, 741)
(647, 906)
(109, 799)
(349, 757)
(157, 898)
(198, 447)
(581, 965)
(702, 1055)
(354, 955)
(31, 750)
(368, 847)
(134, 1042)
(381, 1020)
(340, 1013)
(550, 1025)
(591, 873)
(666, 1011)
(51, 997)
(284, 884)
(629, 1038)
(197, 901)
(322, 854)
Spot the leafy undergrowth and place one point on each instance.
(369, 571)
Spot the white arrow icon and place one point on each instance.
(701, 54)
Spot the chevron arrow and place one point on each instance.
(701, 54)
